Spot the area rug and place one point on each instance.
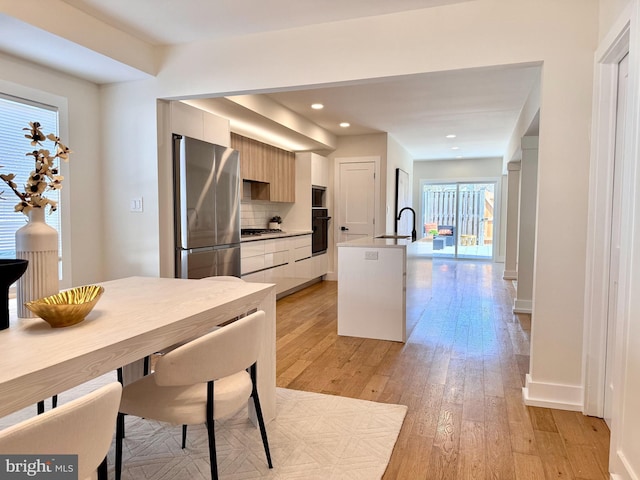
(314, 436)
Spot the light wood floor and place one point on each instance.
(460, 373)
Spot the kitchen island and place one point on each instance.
(372, 287)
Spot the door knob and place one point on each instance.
(344, 229)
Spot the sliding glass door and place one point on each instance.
(457, 219)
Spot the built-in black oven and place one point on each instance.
(318, 196)
(320, 226)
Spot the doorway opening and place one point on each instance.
(457, 219)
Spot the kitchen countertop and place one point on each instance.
(268, 236)
(375, 242)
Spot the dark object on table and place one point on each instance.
(10, 271)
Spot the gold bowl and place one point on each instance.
(68, 307)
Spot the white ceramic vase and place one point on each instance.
(38, 243)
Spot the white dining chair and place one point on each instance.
(206, 379)
(82, 427)
(164, 351)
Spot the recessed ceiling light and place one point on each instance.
(459, 156)
(317, 106)
(345, 124)
(455, 148)
(451, 136)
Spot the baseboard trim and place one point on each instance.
(552, 395)
(297, 288)
(510, 275)
(615, 476)
(628, 473)
(523, 306)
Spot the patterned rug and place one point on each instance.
(314, 436)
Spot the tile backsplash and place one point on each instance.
(258, 214)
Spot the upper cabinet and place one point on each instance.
(319, 171)
(283, 182)
(253, 163)
(271, 168)
(193, 122)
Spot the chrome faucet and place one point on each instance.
(414, 234)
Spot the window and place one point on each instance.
(15, 114)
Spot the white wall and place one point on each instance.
(610, 10)
(131, 145)
(525, 125)
(463, 169)
(397, 157)
(523, 302)
(83, 188)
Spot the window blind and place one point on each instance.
(15, 114)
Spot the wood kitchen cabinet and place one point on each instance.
(253, 162)
(283, 188)
(272, 168)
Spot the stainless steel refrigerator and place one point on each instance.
(207, 208)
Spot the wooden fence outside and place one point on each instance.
(475, 212)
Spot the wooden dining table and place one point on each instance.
(135, 317)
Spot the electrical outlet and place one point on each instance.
(371, 255)
(136, 205)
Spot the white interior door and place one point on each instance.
(614, 259)
(356, 200)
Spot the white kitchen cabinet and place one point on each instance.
(372, 289)
(277, 275)
(252, 258)
(276, 252)
(303, 261)
(301, 247)
(215, 129)
(285, 261)
(257, 277)
(187, 120)
(319, 170)
(320, 265)
(304, 269)
(195, 123)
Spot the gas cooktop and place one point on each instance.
(250, 232)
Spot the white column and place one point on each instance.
(513, 206)
(527, 225)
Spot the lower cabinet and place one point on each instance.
(287, 262)
(304, 269)
(320, 265)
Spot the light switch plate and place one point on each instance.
(136, 205)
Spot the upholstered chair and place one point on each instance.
(82, 427)
(206, 379)
(164, 351)
(173, 347)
